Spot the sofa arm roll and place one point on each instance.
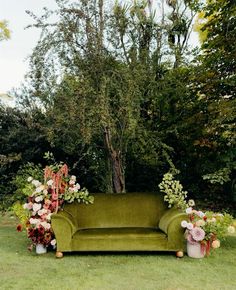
(170, 223)
(64, 226)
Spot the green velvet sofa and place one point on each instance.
(119, 222)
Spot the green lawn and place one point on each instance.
(21, 269)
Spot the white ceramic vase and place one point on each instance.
(41, 249)
(195, 250)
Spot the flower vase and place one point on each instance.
(195, 250)
(41, 249)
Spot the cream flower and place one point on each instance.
(29, 179)
(50, 182)
(215, 244)
(191, 202)
(231, 230)
(46, 225)
(73, 177)
(200, 223)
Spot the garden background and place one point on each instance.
(118, 94)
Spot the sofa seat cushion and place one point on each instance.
(121, 239)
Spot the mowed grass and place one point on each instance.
(21, 269)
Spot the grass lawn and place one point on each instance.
(21, 269)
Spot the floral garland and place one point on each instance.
(47, 198)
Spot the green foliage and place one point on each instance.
(174, 193)
(218, 224)
(21, 213)
(221, 176)
(80, 196)
(24, 188)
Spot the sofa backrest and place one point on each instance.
(119, 210)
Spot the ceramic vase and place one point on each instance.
(195, 250)
(41, 249)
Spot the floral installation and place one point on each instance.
(207, 228)
(48, 197)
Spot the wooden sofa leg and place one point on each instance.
(59, 254)
(179, 254)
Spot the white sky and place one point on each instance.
(13, 53)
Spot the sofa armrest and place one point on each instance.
(64, 226)
(170, 224)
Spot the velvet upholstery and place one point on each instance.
(119, 222)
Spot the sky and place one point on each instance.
(14, 52)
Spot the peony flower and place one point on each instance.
(189, 226)
(190, 239)
(215, 244)
(184, 224)
(191, 202)
(231, 230)
(189, 210)
(198, 234)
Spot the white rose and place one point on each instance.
(39, 198)
(34, 221)
(36, 183)
(189, 210)
(184, 224)
(36, 207)
(50, 182)
(46, 225)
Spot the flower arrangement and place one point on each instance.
(207, 228)
(46, 198)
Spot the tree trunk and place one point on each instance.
(115, 156)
